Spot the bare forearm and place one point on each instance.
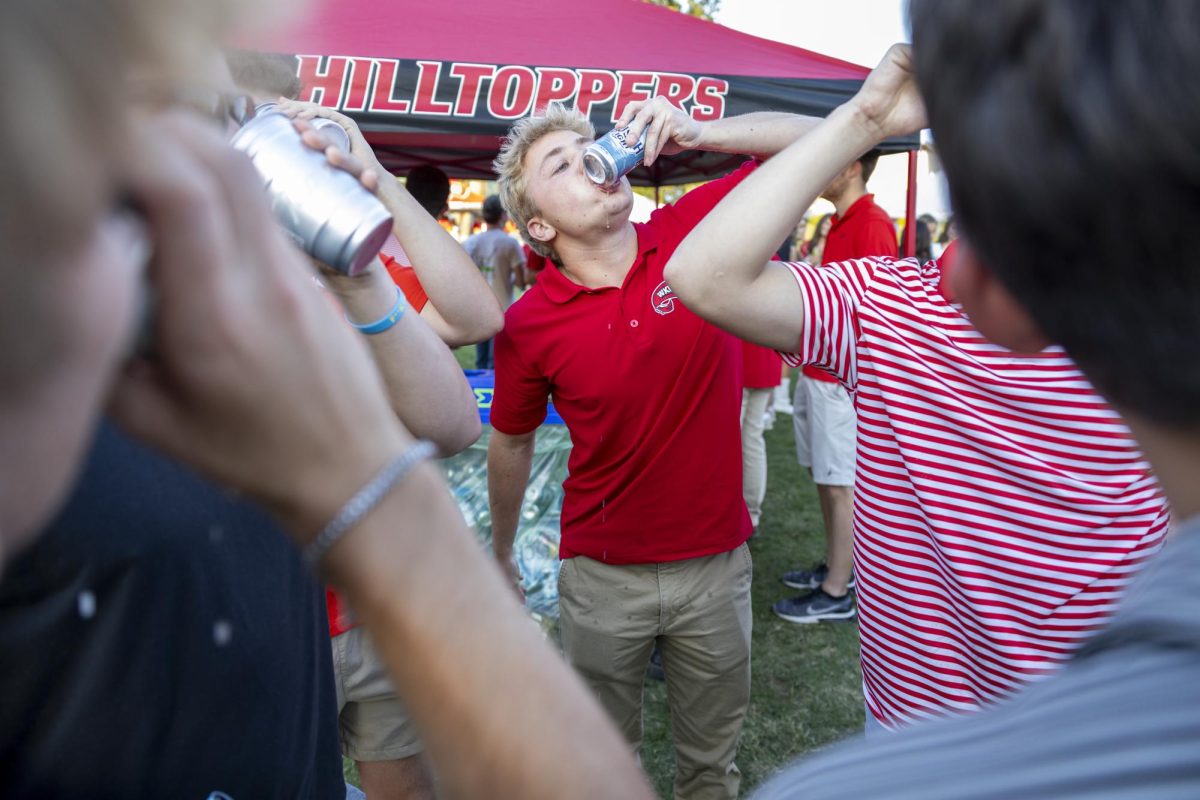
(762, 134)
(727, 278)
(453, 283)
(425, 384)
(510, 459)
(499, 712)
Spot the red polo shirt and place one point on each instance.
(650, 393)
(761, 366)
(864, 230)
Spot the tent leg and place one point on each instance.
(910, 210)
(657, 201)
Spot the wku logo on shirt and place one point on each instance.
(663, 299)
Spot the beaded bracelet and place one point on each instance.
(387, 321)
(366, 499)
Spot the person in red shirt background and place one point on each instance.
(653, 521)
(823, 414)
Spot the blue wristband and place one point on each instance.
(385, 322)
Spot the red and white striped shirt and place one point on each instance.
(1000, 504)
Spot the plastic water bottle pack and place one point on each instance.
(536, 544)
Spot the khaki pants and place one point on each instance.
(699, 610)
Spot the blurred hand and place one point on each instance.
(306, 112)
(256, 380)
(359, 162)
(889, 99)
(665, 127)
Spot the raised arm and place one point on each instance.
(425, 384)
(669, 130)
(461, 309)
(722, 270)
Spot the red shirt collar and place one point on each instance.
(857, 205)
(561, 289)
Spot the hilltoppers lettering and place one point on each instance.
(465, 89)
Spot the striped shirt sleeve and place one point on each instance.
(831, 295)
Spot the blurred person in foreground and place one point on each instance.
(1002, 82)
(1050, 117)
(147, 560)
(1001, 504)
(257, 382)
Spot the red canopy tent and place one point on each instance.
(442, 82)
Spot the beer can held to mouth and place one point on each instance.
(611, 158)
(331, 216)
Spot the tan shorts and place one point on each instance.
(374, 724)
(825, 425)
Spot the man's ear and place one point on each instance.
(992, 308)
(541, 230)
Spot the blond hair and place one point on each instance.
(510, 164)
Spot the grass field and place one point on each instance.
(806, 689)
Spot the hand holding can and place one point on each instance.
(611, 157)
(327, 211)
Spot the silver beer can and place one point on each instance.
(610, 158)
(331, 216)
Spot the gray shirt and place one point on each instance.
(499, 257)
(1121, 720)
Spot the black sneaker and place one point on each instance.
(811, 578)
(816, 606)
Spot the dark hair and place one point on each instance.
(268, 73)
(924, 241)
(944, 238)
(493, 209)
(430, 187)
(1062, 126)
(868, 160)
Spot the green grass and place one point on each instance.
(806, 689)
(465, 356)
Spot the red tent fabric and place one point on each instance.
(442, 82)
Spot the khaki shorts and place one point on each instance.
(374, 725)
(825, 425)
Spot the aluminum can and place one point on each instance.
(610, 158)
(331, 216)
